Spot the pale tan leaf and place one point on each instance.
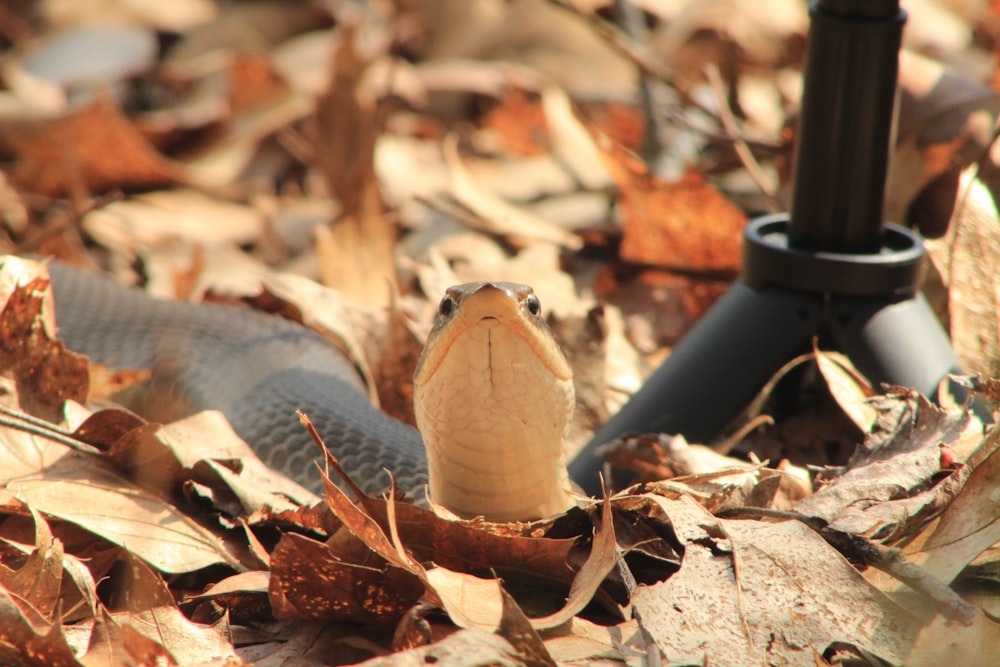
(470, 601)
(572, 143)
(601, 561)
(944, 642)
(848, 387)
(496, 214)
(966, 260)
(165, 216)
(89, 496)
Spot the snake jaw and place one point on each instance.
(493, 399)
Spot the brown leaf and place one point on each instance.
(478, 548)
(154, 626)
(37, 581)
(26, 636)
(900, 457)
(356, 253)
(519, 122)
(684, 224)
(774, 591)
(309, 580)
(46, 372)
(516, 628)
(93, 149)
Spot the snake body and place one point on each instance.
(254, 367)
(493, 392)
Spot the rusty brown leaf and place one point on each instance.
(309, 580)
(47, 373)
(94, 149)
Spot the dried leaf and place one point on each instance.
(969, 525)
(572, 143)
(496, 214)
(153, 615)
(516, 628)
(356, 253)
(900, 457)
(764, 593)
(46, 372)
(36, 583)
(311, 580)
(92, 497)
(74, 153)
(602, 559)
(24, 635)
(472, 646)
(685, 224)
(471, 602)
(964, 257)
(848, 387)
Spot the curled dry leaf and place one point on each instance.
(900, 458)
(848, 387)
(963, 259)
(968, 526)
(572, 143)
(46, 372)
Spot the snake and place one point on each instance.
(493, 393)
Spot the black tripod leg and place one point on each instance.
(713, 372)
(898, 343)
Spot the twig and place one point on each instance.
(648, 65)
(43, 429)
(635, 27)
(739, 144)
(726, 445)
(71, 220)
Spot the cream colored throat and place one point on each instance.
(493, 400)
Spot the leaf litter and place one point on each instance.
(841, 530)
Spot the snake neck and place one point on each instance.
(485, 461)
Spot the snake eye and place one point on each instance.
(447, 307)
(533, 304)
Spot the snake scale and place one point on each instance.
(255, 368)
